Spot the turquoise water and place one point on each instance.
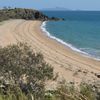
(80, 31)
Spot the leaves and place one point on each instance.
(23, 68)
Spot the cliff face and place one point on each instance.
(28, 14)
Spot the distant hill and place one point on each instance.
(56, 9)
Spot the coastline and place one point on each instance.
(43, 27)
(65, 61)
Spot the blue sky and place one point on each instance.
(40, 4)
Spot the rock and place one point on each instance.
(56, 19)
(98, 75)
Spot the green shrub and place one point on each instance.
(23, 72)
(87, 91)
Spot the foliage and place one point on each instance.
(19, 13)
(67, 91)
(22, 70)
(23, 74)
(86, 90)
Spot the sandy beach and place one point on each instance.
(69, 64)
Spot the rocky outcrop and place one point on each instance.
(27, 14)
(56, 19)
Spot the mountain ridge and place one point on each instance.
(56, 9)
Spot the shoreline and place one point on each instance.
(66, 47)
(69, 64)
(85, 54)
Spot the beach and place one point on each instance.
(70, 65)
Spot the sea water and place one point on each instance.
(80, 31)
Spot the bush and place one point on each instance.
(87, 91)
(23, 70)
(67, 91)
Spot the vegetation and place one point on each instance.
(19, 13)
(23, 74)
(67, 91)
(27, 14)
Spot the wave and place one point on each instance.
(80, 50)
(92, 52)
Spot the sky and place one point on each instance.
(41, 4)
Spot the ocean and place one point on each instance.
(80, 31)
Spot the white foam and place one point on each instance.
(43, 27)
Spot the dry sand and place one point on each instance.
(70, 65)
